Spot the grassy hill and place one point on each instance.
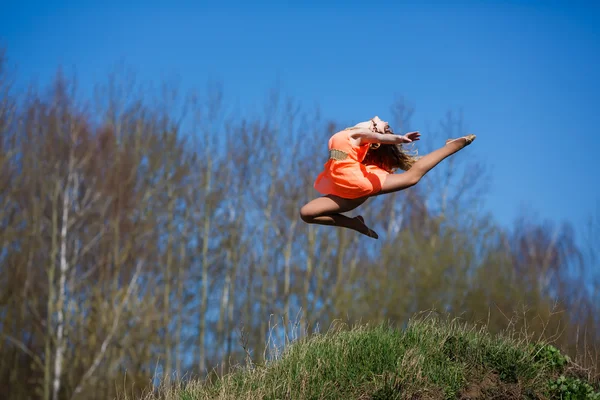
(430, 359)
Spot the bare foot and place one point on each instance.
(468, 140)
(366, 230)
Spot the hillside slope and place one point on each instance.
(430, 359)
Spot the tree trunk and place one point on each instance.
(167, 283)
(223, 309)
(287, 262)
(264, 273)
(310, 251)
(205, 286)
(62, 287)
(180, 293)
(51, 294)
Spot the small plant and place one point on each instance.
(550, 355)
(185, 395)
(567, 388)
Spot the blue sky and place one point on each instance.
(525, 74)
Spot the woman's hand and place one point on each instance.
(411, 137)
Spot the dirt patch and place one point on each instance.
(491, 387)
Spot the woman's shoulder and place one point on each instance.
(344, 140)
(348, 132)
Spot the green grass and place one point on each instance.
(430, 359)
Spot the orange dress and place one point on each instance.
(345, 176)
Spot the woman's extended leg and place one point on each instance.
(327, 211)
(394, 183)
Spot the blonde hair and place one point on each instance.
(389, 157)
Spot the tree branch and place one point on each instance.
(108, 339)
(24, 348)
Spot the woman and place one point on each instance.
(362, 162)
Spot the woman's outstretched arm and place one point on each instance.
(363, 135)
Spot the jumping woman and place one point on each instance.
(362, 162)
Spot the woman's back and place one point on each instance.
(343, 142)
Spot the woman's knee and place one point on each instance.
(307, 214)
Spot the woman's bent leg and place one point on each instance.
(327, 211)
